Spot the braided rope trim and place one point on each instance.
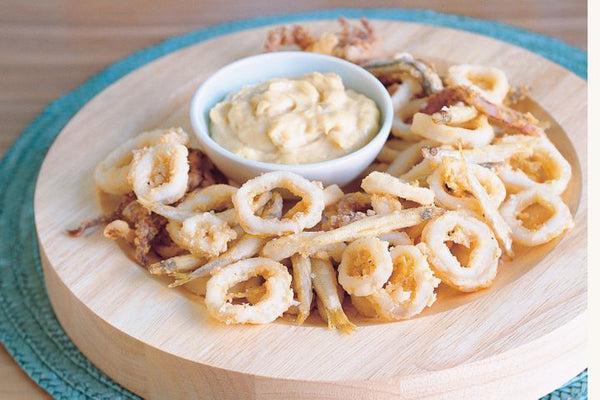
(28, 327)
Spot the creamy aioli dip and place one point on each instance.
(295, 121)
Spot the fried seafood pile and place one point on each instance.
(463, 181)
(352, 43)
(143, 230)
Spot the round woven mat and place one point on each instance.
(28, 328)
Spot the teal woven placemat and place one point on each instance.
(28, 327)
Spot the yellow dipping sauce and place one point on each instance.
(295, 121)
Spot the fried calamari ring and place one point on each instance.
(311, 194)
(159, 174)
(366, 265)
(516, 207)
(480, 269)
(450, 184)
(402, 120)
(111, 174)
(474, 133)
(410, 287)
(277, 299)
(490, 82)
(489, 212)
(404, 107)
(382, 183)
(538, 164)
(204, 235)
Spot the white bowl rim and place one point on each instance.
(207, 140)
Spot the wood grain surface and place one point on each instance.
(525, 334)
(48, 49)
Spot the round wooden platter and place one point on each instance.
(522, 338)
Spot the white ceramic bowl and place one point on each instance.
(259, 68)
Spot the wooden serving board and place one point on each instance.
(522, 338)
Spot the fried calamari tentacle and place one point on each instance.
(524, 123)
(403, 64)
(356, 43)
(146, 226)
(164, 246)
(354, 202)
(288, 36)
(90, 223)
(517, 94)
(351, 207)
(202, 173)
